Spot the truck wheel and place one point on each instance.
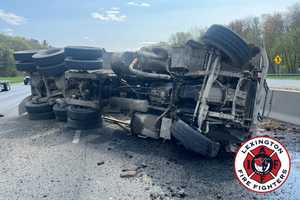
(52, 70)
(83, 64)
(84, 53)
(41, 116)
(193, 140)
(83, 124)
(27, 67)
(60, 112)
(82, 113)
(37, 107)
(25, 56)
(232, 45)
(49, 57)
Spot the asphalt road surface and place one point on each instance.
(9, 100)
(45, 160)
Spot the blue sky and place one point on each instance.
(122, 24)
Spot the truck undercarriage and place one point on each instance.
(205, 95)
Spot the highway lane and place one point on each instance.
(39, 160)
(10, 100)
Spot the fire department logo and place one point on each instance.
(262, 164)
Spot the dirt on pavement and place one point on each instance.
(43, 160)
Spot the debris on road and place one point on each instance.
(197, 176)
(130, 168)
(157, 196)
(100, 163)
(177, 192)
(272, 125)
(128, 173)
(219, 196)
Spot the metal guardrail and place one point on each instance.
(283, 105)
(283, 74)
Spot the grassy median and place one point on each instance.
(17, 79)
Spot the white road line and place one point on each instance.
(76, 137)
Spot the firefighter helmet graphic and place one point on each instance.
(262, 164)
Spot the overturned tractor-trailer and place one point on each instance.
(206, 95)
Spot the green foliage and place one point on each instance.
(180, 38)
(249, 29)
(8, 45)
(284, 77)
(14, 79)
(278, 33)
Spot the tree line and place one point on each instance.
(278, 33)
(9, 44)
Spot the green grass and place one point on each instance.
(17, 79)
(284, 77)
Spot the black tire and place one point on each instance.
(121, 61)
(37, 107)
(83, 124)
(26, 67)
(193, 140)
(231, 44)
(49, 57)
(56, 70)
(60, 112)
(41, 116)
(83, 64)
(82, 113)
(25, 56)
(84, 53)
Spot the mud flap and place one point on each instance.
(193, 140)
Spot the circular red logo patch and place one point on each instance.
(262, 164)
